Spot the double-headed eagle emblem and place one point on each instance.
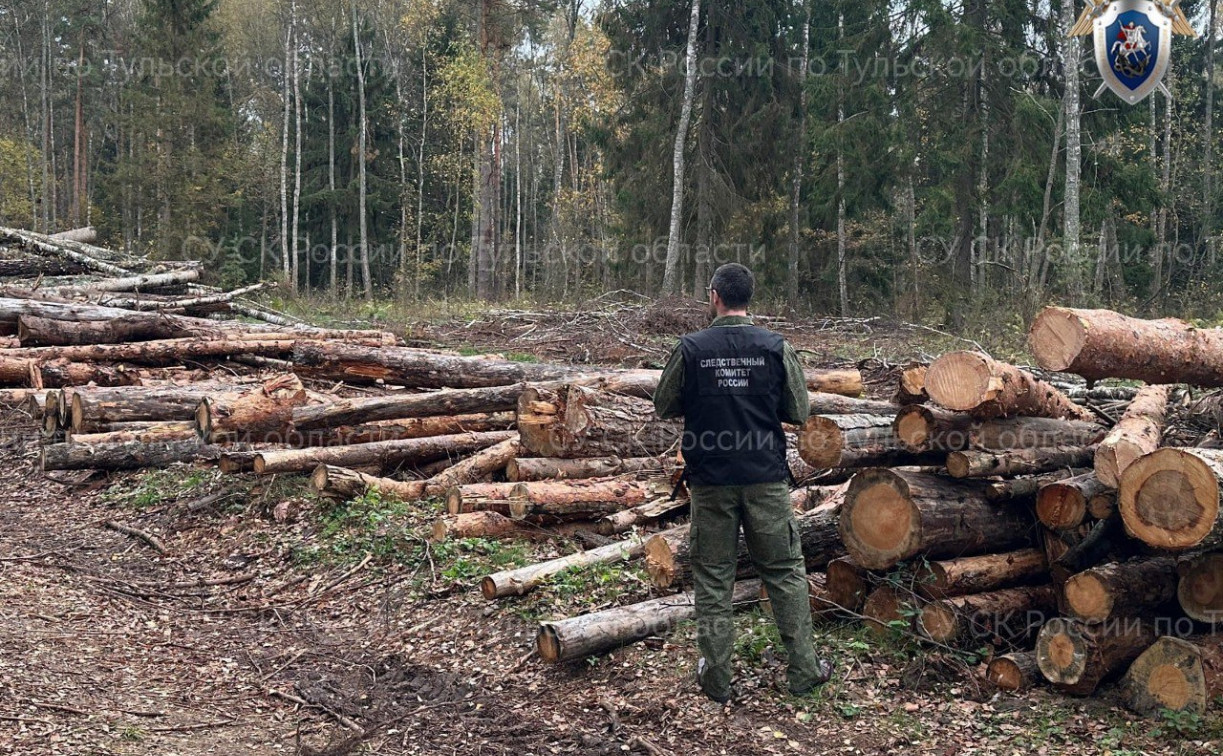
(1133, 43)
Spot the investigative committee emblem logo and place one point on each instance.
(1133, 41)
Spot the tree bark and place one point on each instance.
(92, 409)
(523, 580)
(127, 456)
(384, 453)
(972, 464)
(578, 422)
(573, 499)
(1127, 589)
(553, 468)
(1003, 616)
(671, 283)
(1014, 673)
(847, 584)
(1140, 431)
(1066, 503)
(261, 415)
(1076, 658)
(145, 433)
(343, 484)
(1104, 344)
(641, 516)
(591, 634)
(63, 374)
(1169, 499)
(475, 525)
(970, 575)
(392, 430)
(846, 441)
(971, 382)
(1175, 674)
(891, 516)
(1200, 590)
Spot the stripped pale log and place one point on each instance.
(600, 632)
(980, 574)
(382, 453)
(890, 516)
(1139, 432)
(1104, 344)
(979, 464)
(521, 581)
(1007, 615)
(1169, 499)
(975, 383)
(1175, 675)
(1076, 657)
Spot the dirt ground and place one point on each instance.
(275, 623)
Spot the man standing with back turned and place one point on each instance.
(735, 384)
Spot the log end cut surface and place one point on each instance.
(959, 381)
(1201, 589)
(1169, 499)
(548, 644)
(883, 523)
(1057, 338)
(913, 427)
(1088, 598)
(1168, 676)
(1060, 654)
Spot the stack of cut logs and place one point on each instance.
(980, 507)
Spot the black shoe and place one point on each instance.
(720, 697)
(823, 675)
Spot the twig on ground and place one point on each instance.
(148, 538)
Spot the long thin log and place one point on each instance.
(554, 468)
(1104, 344)
(145, 433)
(62, 374)
(572, 498)
(130, 283)
(971, 382)
(1139, 432)
(523, 580)
(1127, 589)
(1169, 499)
(890, 516)
(974, 464)
(981, 574)
(592, 634)
(1076, 657)
(127, 456)
(383, 453)
(392, 430)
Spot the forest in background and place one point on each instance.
(932, 160)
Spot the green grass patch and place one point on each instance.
(153, 488)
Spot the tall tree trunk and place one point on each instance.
(297, 152)
(285, 259)
(914, 261)
(518, 199)
(842, 261)
(1165, 187)
(362, 156)
(671, 283)
(1074, 153)
(1208, 131)
(29, 129)
(78, 142)
(420, 167)
(333, 258)
(45, 85)
(800, 163)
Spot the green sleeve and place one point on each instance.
(796, 403)
(669, 396)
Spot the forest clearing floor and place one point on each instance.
(276, 622)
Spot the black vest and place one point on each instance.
(733, 383)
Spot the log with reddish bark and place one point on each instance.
(392, 430)
(971, 382)
(62, 374)
(1076, 657)
(126, 456)
(554, 468)
(145, 433)
(1139, 432)
(95, 408)
(523, 580)
(263, 414)
(570, 499)
(1200, 589)
(382, 453)
(668, 557)
(474, 525)
(1175, 674)
(642, 515)
(1025, 489)
(591, 634)
(890, 516)
(847, 441)
(1067, 503)
(922, 428)
(481, 465)
(1169, 499)
(344, 484)
(1104, 344)
(1128, 589)
(157, 353)
(911, 387)
(575, 421)
(980, 574)
(847, 583)
(1007, 615)
(980, 464)
(1014, 672)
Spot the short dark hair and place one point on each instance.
(735, 284)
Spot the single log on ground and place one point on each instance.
(1104, 344)
(663, 508)
(846, 441)
(344, 484)
(1127, 589)
(555, 468)
(127, 456)
(971, 382)
(835, 404)
(1139, 432)
(1105, 540)
(841, 382)
(912, 385)
(980, 574)
(263, 414)
(1066, 503)
(1076, 657)
(1014, 672)
(474, 525)
(1169, 499)
(1200, 590)
(1013, 433)
(1175, 675)
(383, 453)
(523, 580)
(976, 464)
(922, 428)
(591, 634)
(888, 609)
(890, 516)
(593, 496)
(668, 556)
(847, 583)
(1007, 615)
(145, 433)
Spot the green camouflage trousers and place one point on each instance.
(767, 521)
